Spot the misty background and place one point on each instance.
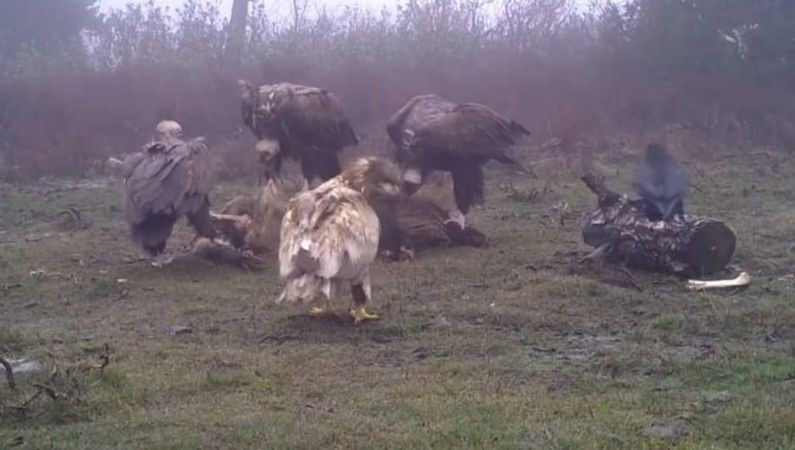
(81, 80)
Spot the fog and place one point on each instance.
(76, 88)
(278, 8)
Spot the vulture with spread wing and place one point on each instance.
(661, 184)
(168, 179)
(329, 236)
(303, 123)
(435, 134)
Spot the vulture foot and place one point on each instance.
(406, 254)
(360, 314)
(457, 217)
(161, 260)
(319, 310)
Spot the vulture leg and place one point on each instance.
(321, 310)
(362, 292)
(152, 234)
(202, 221)
(273, 167)
(467, 188)
(457, 217)
(406, 253)
(322, 164)
(328, 293)
(389, 242)
(162, 260)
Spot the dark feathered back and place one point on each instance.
(416, 112)
(469, 129)
(301, 114)
(168, 177)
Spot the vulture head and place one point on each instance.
(408, 157)
(377, 178)
(167, 130)
(269, 151)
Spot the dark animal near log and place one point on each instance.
(303, 123)
(686, 245)
(661, 184)
(433, 133)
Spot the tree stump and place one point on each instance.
(685, 246)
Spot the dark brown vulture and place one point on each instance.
(168, 179)
(329, 236)
(303, 123)
(407, 223)
(435, 134)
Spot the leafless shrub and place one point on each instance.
(566, 73)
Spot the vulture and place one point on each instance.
(407, 223)
(661, 184)
(302, 123)
(329, 237)
(168, 179)
(433, 133)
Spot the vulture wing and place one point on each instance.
(414, 114)
(470, 129)
(171, 177)
(330, 232)
(313, 116)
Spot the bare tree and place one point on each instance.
(299, 14)
(236, 37)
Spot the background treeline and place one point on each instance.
(77, 86)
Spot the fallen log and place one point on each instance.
(686, 245)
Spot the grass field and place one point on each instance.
(513, 345)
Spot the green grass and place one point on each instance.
(510, 346)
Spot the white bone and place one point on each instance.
(742, 280)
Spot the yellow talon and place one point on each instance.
(360, 314)
(318, 310)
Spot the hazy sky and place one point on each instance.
(279, 6)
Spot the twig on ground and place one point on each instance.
(631, 278)
(9, 373)
(278, 339)
(596, 254)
